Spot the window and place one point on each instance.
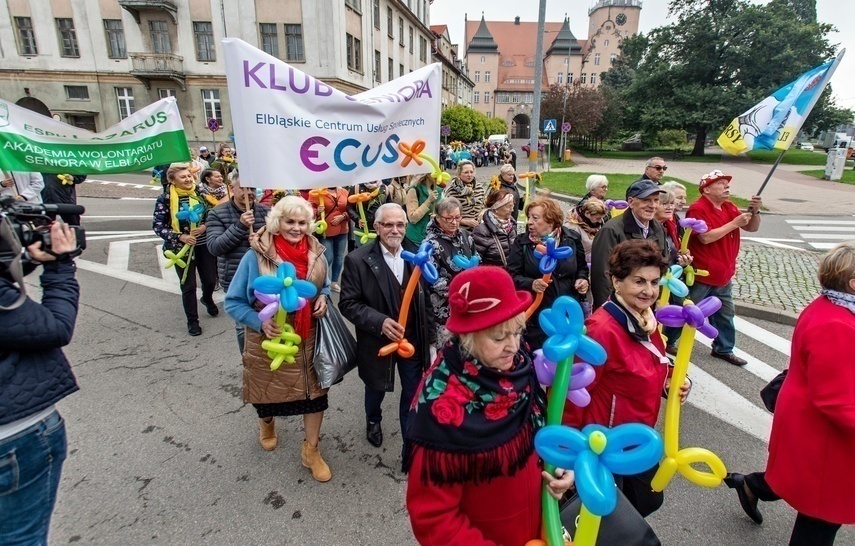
(596, 59)
(606, 43)
(115, 39)
(477, 76)
(76, 92)
(593, 79)
(159, 37)
(84, 122)
(269, 39)
(583, 78)
(529, 98)
(411, 39)
(489, 115)
(516, 98)
(422, 49)
(204, 32)
(354, 53)
(294, 43)
(566, 61)
(355, 4)
(503, 98)
(389, 23)
(400, 70)
(391, 70)
(125, 99)
(612, 58)
(487, 77)
(211, 105)
(26, 36)
(376, 14)
(483, 59)
(401, 31)
(377, 75)
(477, 94)
(424, 9)
(67, 38)
(486, 97)
(560, 78)
(163, 93)
(569, 77)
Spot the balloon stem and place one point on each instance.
(684, 244)
(588, 529)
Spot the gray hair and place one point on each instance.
(446, 204)
(380, 213)
(595, 181)
(672, 185)
(507, 167)
(655, 158)
(234, 177)
(667, 197)
(290, 205)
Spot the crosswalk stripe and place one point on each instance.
(119, 236)
(717, 399)
(825, 228)
(755, 366)
(762, 335)
(823, 246)
(832, 236)
(823, 222)
(139, 278)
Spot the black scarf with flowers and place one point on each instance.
(474, 422)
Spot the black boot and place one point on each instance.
(210, 306)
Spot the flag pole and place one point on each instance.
(772, 170)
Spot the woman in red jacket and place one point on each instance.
(474, 477)
(629, 386)
(813, 432)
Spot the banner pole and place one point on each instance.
(772, 170)
(246, 205)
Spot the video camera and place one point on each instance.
(23, 224)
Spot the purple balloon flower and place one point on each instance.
(696, 225)
(694, 315)
(582, 374)
(616, 204)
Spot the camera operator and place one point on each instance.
(34, 376)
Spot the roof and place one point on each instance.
(564, 43)
(439, 30)
(482, 40)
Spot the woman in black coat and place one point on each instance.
(570, 278)
(496, 233)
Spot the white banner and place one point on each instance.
(293, 131)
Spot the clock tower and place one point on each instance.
(609, 22)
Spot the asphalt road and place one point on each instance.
(163, 451)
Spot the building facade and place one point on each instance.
(91, 63)
(457, 88)
(501, 58)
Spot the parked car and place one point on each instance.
(807, 146)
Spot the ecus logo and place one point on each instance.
(4, 115)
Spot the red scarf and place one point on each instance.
(298, 255)
(671, 230)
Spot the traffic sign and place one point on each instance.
(445, 130)
(565, 127)
(549, 125)
(213, 125)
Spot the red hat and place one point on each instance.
(714, 176)
(482, 297)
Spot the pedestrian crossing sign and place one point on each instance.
(549, 125)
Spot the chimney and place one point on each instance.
(517, 20)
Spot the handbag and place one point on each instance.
(335, 348)
(770, 392)
(624, 526)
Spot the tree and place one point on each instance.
(458, 119)
(717, 60)
(496, 126)
(583, 106)
(826, 116)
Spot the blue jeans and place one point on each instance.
(335, 249)
(722, 319)
(30, 467)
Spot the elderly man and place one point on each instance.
(372, 287)
(636, 223)
(654, 170)
(228, 233)
(716, 251)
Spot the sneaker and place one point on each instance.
(193, 328)
(210, 306)
(335, 287)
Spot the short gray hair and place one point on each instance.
(667, 197)
(654, 158)
(234, 177)
(446, 204)
(507, 167)
(672, 185)
(288, 206)
(380, 213)
(595, 181)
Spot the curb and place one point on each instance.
(780, 316)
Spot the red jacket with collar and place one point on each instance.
(628, 387)
(813, 432)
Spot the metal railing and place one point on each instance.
(157, 63)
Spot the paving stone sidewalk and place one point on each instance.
(776, 278)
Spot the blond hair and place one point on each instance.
(837, 268)
(512, 325)
(667, 198)
(287, 207)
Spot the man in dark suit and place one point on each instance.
(372, 288)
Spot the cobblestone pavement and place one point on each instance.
(776, 277)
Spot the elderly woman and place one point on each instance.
(507, 180)
(334, 239)
(177, 232)
(679, 191)
(628, 387)
(586, 220)
(448, 240)
(497, 230)
(213, 187)
(570, 278)
(421, 197)
(597, 186)
(293, 389)
(474, 477)
(468, 192)
(665, 216)
(813, 430)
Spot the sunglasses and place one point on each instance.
(659, 167)
(400, 226)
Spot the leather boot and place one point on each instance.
(312, 460)
(267, 434)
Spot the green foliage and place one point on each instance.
(671, 138)
(458, 119)
(792, 157)
(497, 126)
(848, 175)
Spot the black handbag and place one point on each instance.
(623, 527)
(335, 348)
(770, 392)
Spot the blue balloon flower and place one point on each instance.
(465, 263)
(421, 259)
(287, 285)
(564, 323)
(553, 253)
(191, 214)
(671, 279)
(596, 454)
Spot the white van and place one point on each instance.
(497, 139)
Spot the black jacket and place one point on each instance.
(618, 230)
(524, 268)
(366, 301)
(34, 373)
(492, 242)
(57, 193)
(228, 239)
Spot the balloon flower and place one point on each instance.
(282, 293)
(416, 154)
(359, 199)
(320, 194)
(66, 179)
(596, 454)
(548, 253)
(671, 284)
(582, 374)
(527, 178)
(422, 268)
(564, 323)
(177, 258)
(691, 317)
(191, 214)
(465, 263)
(615, 204)
(699, 227)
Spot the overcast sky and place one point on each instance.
(653, 14)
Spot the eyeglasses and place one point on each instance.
(400, 226)
(659, 167)
(452, 219)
